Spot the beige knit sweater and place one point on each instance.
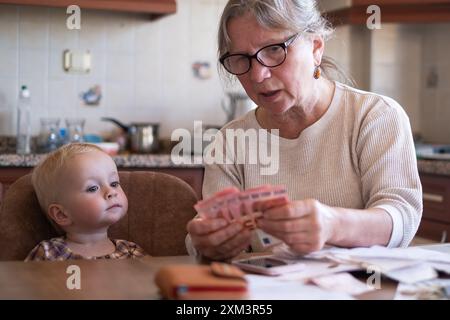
(360, 154)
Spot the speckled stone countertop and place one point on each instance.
(122, 161)
(441, 167)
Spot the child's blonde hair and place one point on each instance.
(45, 176)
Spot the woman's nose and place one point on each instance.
(258, 72)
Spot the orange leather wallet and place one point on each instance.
(189, 282)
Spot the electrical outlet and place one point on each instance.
(77, 61)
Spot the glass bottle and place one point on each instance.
(23, 145)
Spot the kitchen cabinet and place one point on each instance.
(192, 176)
(435, 223)
(393, 11)
(156, 8)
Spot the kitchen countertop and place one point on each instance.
(441, 167)
(122, 161)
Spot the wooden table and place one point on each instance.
(101, 279)
(112, 279)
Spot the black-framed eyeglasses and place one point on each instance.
(270, 56)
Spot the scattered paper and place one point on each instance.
(317, 268)
(413, 274)
(343, 283)
(441, 267)
(411, 253)
(437, 289)
(270, 288)
(414, 268)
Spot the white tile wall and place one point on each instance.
(143, 66)
(401, 59)
(435, 101)
(397, 68)
(387, 61)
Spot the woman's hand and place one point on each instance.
(303, 225)
(217, 239)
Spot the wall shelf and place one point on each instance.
(402, 12)
(156, 8)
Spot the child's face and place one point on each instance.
(90, 192)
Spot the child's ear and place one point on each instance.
(57, 214)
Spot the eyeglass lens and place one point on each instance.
(271, 56)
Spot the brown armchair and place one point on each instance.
(159, 207)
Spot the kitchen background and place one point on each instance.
(145, 67)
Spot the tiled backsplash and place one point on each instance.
(144, 67)
(435, 98)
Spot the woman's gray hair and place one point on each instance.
(297, 16)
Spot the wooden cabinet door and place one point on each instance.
(436, 198)
(435, 222)
(436, 231)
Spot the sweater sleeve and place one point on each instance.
(388, 169)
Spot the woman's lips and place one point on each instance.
(269, 93)
(270, 96)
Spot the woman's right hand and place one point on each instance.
(217, 239)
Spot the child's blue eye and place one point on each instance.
(115, 184)
(92, 189)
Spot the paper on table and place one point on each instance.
(317, 268)
(413, 274)
(411, 253)
(269, 288)
(314, 267)
(342, 282)
(407, 265)
(442, 267)
(427, 290)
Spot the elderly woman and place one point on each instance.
(347, 156)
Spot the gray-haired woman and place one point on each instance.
(346, 156)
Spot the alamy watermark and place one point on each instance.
(229, 146)
(74, 280)
(73, 22)
(374, 280)
(374, 21)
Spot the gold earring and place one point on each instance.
(317, 72)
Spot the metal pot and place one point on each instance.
(236, 104)
(143, 137)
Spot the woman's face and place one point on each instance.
(275, 89)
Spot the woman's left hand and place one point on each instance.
(303, 225)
